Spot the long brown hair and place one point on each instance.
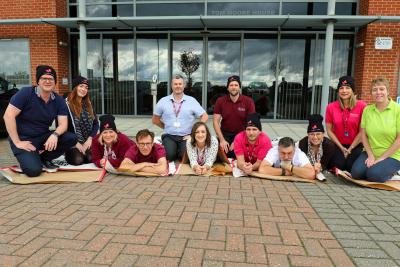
(76, 107)
(193, 134)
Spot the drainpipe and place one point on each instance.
(327, 56)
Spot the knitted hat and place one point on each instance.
(233, 78)
(107, 122)
(346, 81)
(253, 120)
(315, 123)
(45, 70)
(79, 80)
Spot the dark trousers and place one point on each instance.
(174, 145)
(74, 157)
(230, 137)
(339, 161)
(31, 162)
(380, 172)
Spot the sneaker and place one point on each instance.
(321, 177)
(49, 166)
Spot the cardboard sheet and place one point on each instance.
(77, 176)
(389, 185)
(281, 178)
(124, 170)
(218, 169)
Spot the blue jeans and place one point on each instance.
(31, 162)
(380, 172)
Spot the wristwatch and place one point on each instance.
(55, 134)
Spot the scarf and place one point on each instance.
(310, 155)
(82, 125)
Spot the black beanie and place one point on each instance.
(233, 78)
(346, 81)
(253, 120)
(107, 122)
(315, 123)
(45, 70)
(79, 80)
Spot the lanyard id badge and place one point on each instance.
(177, 124)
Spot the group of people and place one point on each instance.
(362, 139)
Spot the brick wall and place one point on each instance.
(43, 39)
(371, 63)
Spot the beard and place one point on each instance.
(234, 93)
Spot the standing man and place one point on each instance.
(145, 155)
(28, 117)
(176, 114)
(251, 145)
(286, 159)
(230, 113)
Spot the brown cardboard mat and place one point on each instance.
(388, 185)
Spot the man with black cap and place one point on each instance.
(251, 145)
(28, 117)
(286, 159)
(230, 114)
(318, 148)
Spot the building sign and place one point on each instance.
(398, 100)
(383, 43)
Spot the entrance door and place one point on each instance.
(187, 60)
(223, 61)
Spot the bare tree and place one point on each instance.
(189, 62)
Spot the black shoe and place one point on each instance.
(49, 166)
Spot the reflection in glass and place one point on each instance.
(94, 70)
(161, 9)
(340, 57)
(152, 58)
(259, 65)
(125, 10)
(242, 9)
(294, 8)
(98, 10)
(291, 94)
(15, 64)
(340, 8)
(194, 85)
(223, 61)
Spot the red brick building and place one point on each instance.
(280, 67)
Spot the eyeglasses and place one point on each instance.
(145, 144)
(47, 79)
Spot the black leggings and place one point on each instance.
(339, 161)
(74, 157)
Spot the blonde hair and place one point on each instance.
(100, 139)
(352, 101)
(381, 80)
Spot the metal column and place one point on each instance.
(82, 39)
(327, 57)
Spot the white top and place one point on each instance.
(299, 159)
(210, 153)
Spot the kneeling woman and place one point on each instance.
(82, 121)
(380, 133)
(318, 148)
(109, 144)
(202, 148)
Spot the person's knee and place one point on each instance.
(68, 139)
(376, 175)
(32, 170)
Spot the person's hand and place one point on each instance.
(80, 148)
(232, 146)
(370, 161)
(102, 162)
(224, 145)
(87, 144)
(345, 151)
(286, 164)
(247, 168)
(25, 145)
(51, 143)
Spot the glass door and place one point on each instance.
(187, 60)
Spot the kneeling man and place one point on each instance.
(251, 145)
(287, 160)
(145, 155)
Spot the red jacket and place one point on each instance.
(117, 152)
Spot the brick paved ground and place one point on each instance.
(193, 221)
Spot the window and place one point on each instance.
(15, 63)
